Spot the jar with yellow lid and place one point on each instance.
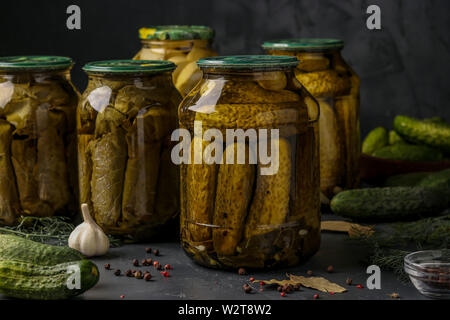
(326, 75)
(182, 45)
(241, 207)
(37, 137)
(124, 122)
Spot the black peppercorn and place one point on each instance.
(107, 266)
(117, 272)
(135, 262)
(148, 250)
(156, 252)
(247, 288)
(242, 271)
(129, 273)
(147, 276)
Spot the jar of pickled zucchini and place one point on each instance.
(183, 45)
(124, 122)
(249, 176)
(326, 75)
(37, 137)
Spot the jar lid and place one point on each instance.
(304, 44)
(176, 32)
(34, 63)
(248, 62)
(129, 66)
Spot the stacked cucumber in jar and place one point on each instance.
(238, 210)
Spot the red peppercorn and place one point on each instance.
(107, 266)
(331, 292)
(165, 273)
(316, 296)
(168, 267)
(156, 252)
(122, 296)
(330, 269)
(155, 263)
(148, 250)
(252, 279)
(359, 286)
(283, 294)
(261, 283)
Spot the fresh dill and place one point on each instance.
(392, 242)
(51, 230)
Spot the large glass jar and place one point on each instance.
(335, 85)
(37, 137)
(124, 122)
(238, 207)
(183, 45)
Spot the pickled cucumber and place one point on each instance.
(9, 199)
(324, 83)
(201, 192)
(233, 194)
(331, 164)
(270, 205)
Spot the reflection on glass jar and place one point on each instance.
(250, 195)
(182, 45)
(37, 137)
(125, 119)
(335, 85)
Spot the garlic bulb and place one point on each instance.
(88, 237)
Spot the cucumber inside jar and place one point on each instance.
(251, 213)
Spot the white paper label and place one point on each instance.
(6, 92)
(99, 98)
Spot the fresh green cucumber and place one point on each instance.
(436, 179)
(390, 203)
(405, 180)
(409, 152)
(432, 133)
(395, 138)
(375, 139)
(24, 280)
(16, 248)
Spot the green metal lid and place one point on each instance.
(34, 63)
(248, 62)
(129, 66)
(304, 44)
(175, 32)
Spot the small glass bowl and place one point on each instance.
(429, 271)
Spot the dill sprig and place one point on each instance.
(51, 230)
(392, 242)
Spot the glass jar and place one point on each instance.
(335, 85)
(183, 45)
(37, 137)
(238, 207)
(124, 122)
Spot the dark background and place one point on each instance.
(404, 67)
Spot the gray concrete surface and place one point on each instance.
(191, 281)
